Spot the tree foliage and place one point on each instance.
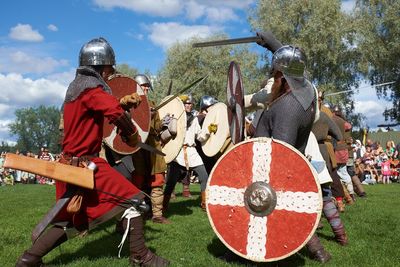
(36, 127)
(324, 32)
(185, 64)
(127, 70)
(378, 40)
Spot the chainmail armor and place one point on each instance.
(288, 121)
(86, 77)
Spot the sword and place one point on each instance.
(229, 41)
(150, 148)
(49, 217)
(196, 82)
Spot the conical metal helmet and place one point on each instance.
(96, 52)
(207, 101)
(143, 79)
(290, 60)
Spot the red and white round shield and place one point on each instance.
(235, 100)
(263, 200)
(121, 86)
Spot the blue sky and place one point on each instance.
(40, 41)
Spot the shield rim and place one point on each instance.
(315, 175)
(145, 134)
(233, 66)
(207, 148)
(181, 130)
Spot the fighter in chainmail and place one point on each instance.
(291, 113)
(88, 101)
(188, 158)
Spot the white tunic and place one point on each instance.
(192, 133)
(312, 150)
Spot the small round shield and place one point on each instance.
(235, 100)
(216, 114)
(263, 200)
(175, 108)
(122, 85)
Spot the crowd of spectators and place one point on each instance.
(10, 177)
(376, 163)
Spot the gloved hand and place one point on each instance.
(132, 140)
(212, 128)
(129, 101)
(269, 41)
(166, 120)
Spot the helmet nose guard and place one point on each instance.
(290, 60)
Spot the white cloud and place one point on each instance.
(5, 135)
(166, 34)
(161, 8)
(194, 10)
(52, 27)
(24, 32)
(12, 60)
(220, 14)
(18, 91)
(237, 4)
(372, 110)
(212, 10)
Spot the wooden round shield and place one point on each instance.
(235, 100)
(175, 108)
(263, 200)
(122, 85)
(217, 114)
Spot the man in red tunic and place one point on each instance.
(87, 102)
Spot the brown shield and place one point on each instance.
(263, 200)
(216, 114)
(235, 100)
(175, 108)
(122, 85)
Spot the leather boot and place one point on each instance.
(347, 197)
(358, 187)
(157, 199)
(51, 239)
(203, 201)
(317, 250)
(139, 253)
(332, 215)
(186, 191)
(29, 260)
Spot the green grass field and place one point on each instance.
(373, 226)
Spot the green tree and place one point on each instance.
(378, 40)
(127, 70)
(324, 32)
(185, 64)
(6, 147)
(36, 127)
